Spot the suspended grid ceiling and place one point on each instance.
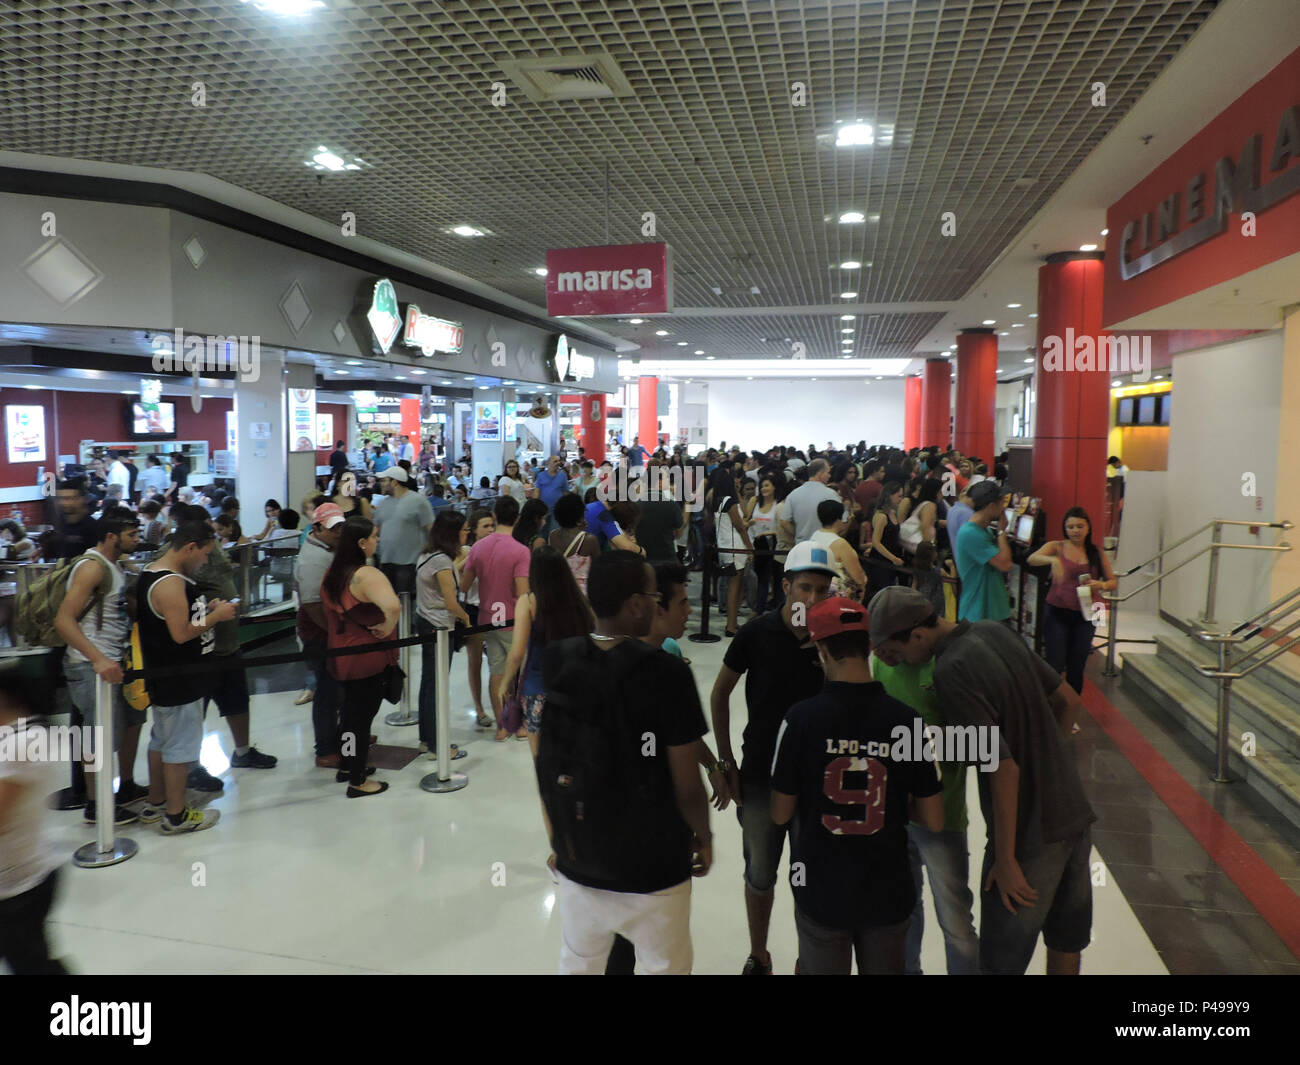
(982, 108)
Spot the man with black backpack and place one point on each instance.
(618, 771)
(94, 621)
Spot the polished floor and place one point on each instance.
(298, 879)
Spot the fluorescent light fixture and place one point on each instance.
(848, 295)
(854, 135)
(466, 231)
(849, 218)
(287, 7)
(1087, 247)
(850, 264)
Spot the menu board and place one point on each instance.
(25, 433)
(487, 421)
(302, 419)
(325, 432)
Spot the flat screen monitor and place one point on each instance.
(1146, 410)
(1009, 519)
(151, 421)
(1025, 529)
(1124, 414)
(1166, 407)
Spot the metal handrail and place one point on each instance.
(1113, 599)
(1270, 613)
(1236, 674)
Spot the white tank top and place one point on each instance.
(762, 524)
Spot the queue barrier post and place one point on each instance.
(706, 572)
(105, 849)
(404, 716)
(444, 780)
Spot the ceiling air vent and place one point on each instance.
(581, 77)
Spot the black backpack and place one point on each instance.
(606, 801)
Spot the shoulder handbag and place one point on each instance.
(909, 533)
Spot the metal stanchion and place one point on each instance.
(1222, 711)
(404, 716)
(105, 850)
(444, 779)
(706, 572)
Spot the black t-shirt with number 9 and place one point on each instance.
(836, 754)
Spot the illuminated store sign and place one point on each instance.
(431, 334)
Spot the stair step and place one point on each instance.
(1272, 773)
(1254, 701)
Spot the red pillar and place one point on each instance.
(593, 427)
(936, 401)
(647, 412)
(1072, 406)
(977, 393)
(911, 413)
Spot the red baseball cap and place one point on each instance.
(837, 614)
(327, 515)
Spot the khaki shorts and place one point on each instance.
(496, 645)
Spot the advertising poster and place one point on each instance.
(232, 432)
(302, 419)
(487, 421)
(325, 432)
(25, 433)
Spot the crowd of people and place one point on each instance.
(877, 596)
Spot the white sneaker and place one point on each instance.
(193, 821)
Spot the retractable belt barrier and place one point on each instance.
(107, 849)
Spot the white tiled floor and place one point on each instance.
(298, 879)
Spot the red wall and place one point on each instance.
(341, 412)
(1230, 254)
(94, 416)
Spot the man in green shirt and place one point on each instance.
(944, 854)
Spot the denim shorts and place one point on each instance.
(763, 839)
(178, 732)
(81, 690)
(1062, 876)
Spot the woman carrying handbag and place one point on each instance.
(361, 608)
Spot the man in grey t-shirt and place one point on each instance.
(314, 558)
(404, 518)
(1037, 875)
(801, 504)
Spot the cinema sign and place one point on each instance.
(1168, 231)
(614, 279)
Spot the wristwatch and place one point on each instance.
(720, 766)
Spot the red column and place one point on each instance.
(911, 413)
(647, 412)
(1072, 406)
(936, 401)
(593, 427)
(977, 393)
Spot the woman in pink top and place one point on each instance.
(1076, 563)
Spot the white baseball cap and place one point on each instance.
(809, 557)
(395, 472)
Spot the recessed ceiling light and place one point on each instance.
(748, 378)
(708, 358)
(444, 382)
(681, 343)
(1034, 315)
(540, 271)
(635, 321)
(1115, 384)
(854, 135)
(1158, 377)
(952, 347)
(990, 321)
(850, 264)
(466, 231)
(846, 330)
(879, 378)
(700, 351)
(848, 295)
(420, 372)
(1029, 360)
(1013, 306)
(1017, 325)
(400, 377)
(812, 379)
(1104, 232)
(125, 391)
(1004, 333)
(846, 317)
(287, 7)
(661, 332)
(324, 159)
(1087, 247)
(846, 356)
(484, 388)
(353, 362)
(849, 218)
(343, 373)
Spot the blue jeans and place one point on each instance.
(947, 862)
(1067, 642)
(428, 698)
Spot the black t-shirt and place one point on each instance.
(339, 461)
(779, 673)
(657, 696)
(848, 855)
(180, 473)
(656, 529)
(77, 537)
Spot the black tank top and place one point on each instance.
(159, 649)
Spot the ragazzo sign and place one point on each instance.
(567, 365)
(1237, 190)
(614, 279)
(432, 334)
